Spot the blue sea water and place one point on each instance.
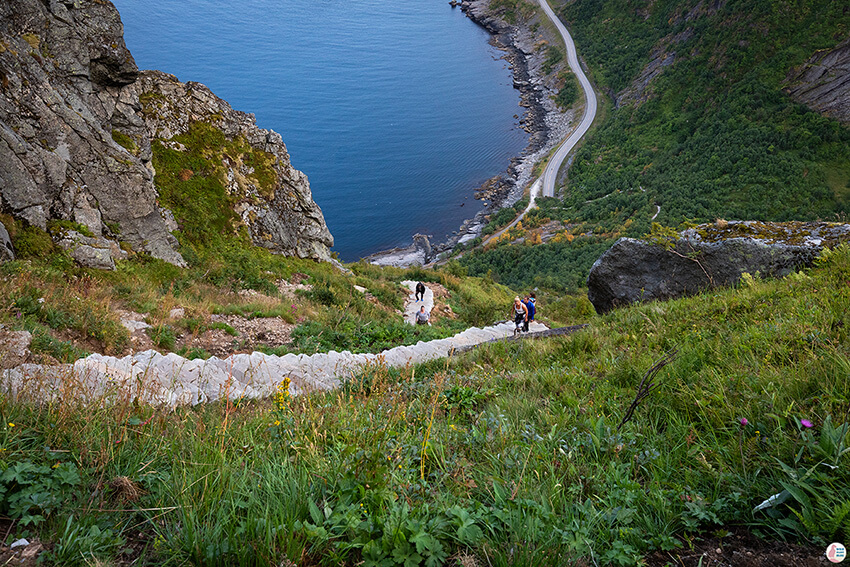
(395, 109)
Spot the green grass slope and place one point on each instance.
(507, 455)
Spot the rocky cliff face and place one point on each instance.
(278, 208)
(75, 142)
(704, 257)
(823, 82)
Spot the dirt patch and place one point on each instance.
(262, 331)
(738, 549)
(135, 325)
(441, 307)
(296, 282)
(23, 555)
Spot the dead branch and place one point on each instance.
(647, 383)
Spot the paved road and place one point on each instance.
(551, 171)
(547, 182)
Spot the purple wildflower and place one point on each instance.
(744, 421)
(805, 423)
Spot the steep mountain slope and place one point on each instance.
(697, 127)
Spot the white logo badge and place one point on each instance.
(836, 552)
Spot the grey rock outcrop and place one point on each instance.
(823, 82)
(283, 217)
(704, 257)
(14, 347)
(93, 252)
(63, 69)
(75, 142)
(7, 252)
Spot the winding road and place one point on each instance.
(546, 182)
(550, 174)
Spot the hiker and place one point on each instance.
(520, 312)
(420, 290)
(422, 317)
(529, 305)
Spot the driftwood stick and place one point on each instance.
(647, 384)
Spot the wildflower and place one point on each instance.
(277, 422)
(744, 421)
(11, 424)
(806, 423)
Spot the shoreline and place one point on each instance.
(545, 123)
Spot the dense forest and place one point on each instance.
(695, 124)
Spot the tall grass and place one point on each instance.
(507, 455)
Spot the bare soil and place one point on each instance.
(738, 549)
(441, 307)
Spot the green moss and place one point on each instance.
(125, 142)
(32, 39)
(151, 102)
(192, 182)
(553, 57)
(57, 226)
(32, 242)
(772, 232)
(113, 227)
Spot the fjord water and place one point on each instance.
(395, 110)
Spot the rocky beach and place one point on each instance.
(524, 46)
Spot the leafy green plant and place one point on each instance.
(29, 493)
(83, 542)
(57, 226)
(162, 336)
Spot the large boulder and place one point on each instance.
(14, 347)
(279, 212)
(703, 257)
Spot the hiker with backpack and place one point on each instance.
(531, 308)
(520, 313)
(420, 291)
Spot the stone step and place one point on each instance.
(172, 380)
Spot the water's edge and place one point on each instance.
(508, 187)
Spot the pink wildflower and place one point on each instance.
(805, 423)
(744, 421)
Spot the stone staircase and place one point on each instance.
(173, 380)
